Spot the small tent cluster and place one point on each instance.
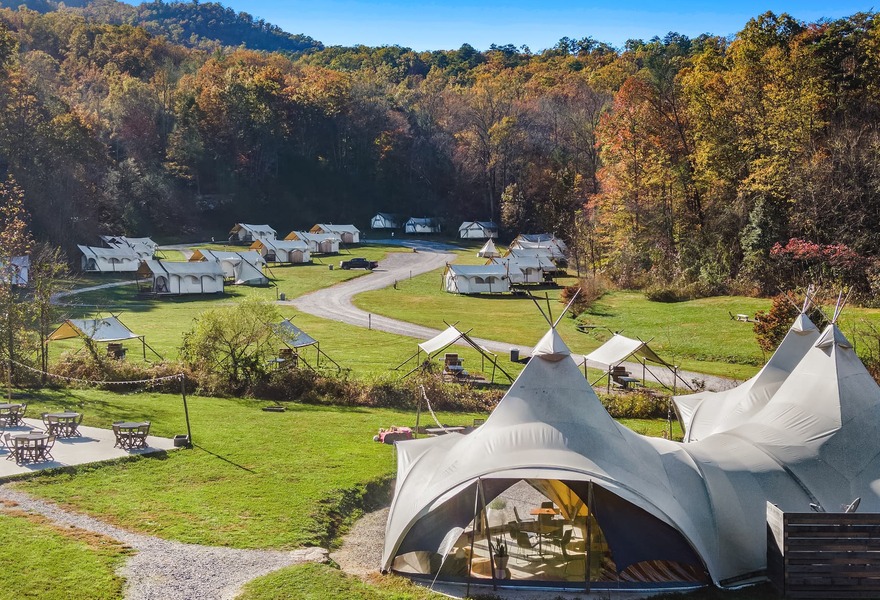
(526, 266)
(543, 243)
(628, 510)
(144, 247)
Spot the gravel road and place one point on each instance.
(335, 303)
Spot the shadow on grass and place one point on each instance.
(224, 459)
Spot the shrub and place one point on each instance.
(639, 404)
(591, 289)
(771, 326)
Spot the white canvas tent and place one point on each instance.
(176, 278)
(384, 221)
(99, 330)
(242, 268)
(706, 413)
(421, 225)
(109, 260)
(478, 230)
(475, 279)
(525, 266)
(488, 250)
(449, 336)
(246, 233)
(666, 510)
(318, 243)
(292, 252)
(348, 234)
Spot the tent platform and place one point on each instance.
(93, 445)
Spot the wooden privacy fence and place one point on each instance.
(823, 555)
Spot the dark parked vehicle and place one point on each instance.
(358, 263)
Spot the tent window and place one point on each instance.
(569, 534)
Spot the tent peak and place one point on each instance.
(833, 336)
(803, 324)
(551, 347)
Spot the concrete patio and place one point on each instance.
(91, 446)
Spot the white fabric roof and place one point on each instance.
(306, 236)
(293, 336)
(448, 336)
(706, 413)
(478, 270)
(158, 267)
(285, 245)
(618, 349)
(331, 228)
(815, 440)
(250, 256)
(118, 252)
(258, 229)
(108, 329)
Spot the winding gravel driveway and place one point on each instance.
(335, 303)
(164, 569)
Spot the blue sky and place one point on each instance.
(539, 24)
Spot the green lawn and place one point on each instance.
(46, 561)
(256, 479)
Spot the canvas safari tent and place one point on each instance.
(176, 278)
(292, 252)
(475, 279)
(421, 225)
(348, 234)
(478, 230)
(241, 268)
(641, 512)
(488, 250)
(100, 330)
(318, 243)
(245, 233)
(526, 266)
(109, 260)
(384, 221)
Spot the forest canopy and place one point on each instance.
(711, 164)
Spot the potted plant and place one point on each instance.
(500, 556)
(495, 512)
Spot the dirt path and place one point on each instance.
(163, 569)
(335, 303)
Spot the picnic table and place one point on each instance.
(11, 414)
(63, 424)
(628, 383)
(31, 447)
(131, 434)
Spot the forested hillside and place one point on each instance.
(205, 25)
(707, 164)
